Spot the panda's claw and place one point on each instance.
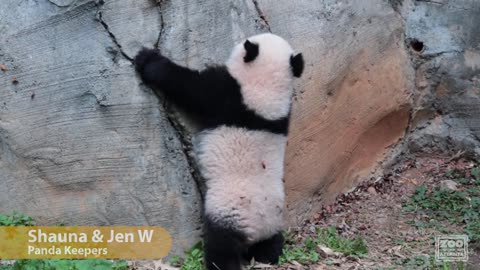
(152, 66)
(144, 57)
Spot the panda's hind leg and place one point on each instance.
(224, 248)
(268, 250)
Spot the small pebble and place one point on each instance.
(372, 190)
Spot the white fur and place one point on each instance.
(244, 170)
(266, 82)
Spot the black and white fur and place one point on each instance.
(245, 108)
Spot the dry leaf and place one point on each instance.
(325, 251)
(396, 251)
(160, 265)
(297, 265)
(262, 266)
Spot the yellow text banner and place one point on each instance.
(113, 242)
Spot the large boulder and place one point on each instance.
(82, 142)
(353, 103)
(444, 38)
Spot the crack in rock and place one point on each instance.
(262, 16)
(397, 8)
(396, 4)
(110, 33)
(431, 56)
(62, 5)
(431, 1)
(162, 23)
(179, 129)
(439, 3)
(186, 143)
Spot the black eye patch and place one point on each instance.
(252, 51)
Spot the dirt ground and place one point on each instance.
(394, 237)
(393, 234)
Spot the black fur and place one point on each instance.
(212, 95)
(227, 249)
(267, 251)
(252, 51)
(296, 62)
(224, 248)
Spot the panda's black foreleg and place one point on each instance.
(224, 248)
(181, 85)
(267, 251)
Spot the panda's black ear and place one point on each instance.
(296, 63)
(252, 51)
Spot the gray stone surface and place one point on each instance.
(447, 101)
(82, 141)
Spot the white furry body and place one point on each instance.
(244, 170)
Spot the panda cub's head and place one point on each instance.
(265, 65)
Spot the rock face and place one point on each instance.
(444, 39)
(353, 102)
(82, 141)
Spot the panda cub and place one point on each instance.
(245, 108)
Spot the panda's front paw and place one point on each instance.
(151, 65)
(144, 57)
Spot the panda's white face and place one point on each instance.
(262, 66)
